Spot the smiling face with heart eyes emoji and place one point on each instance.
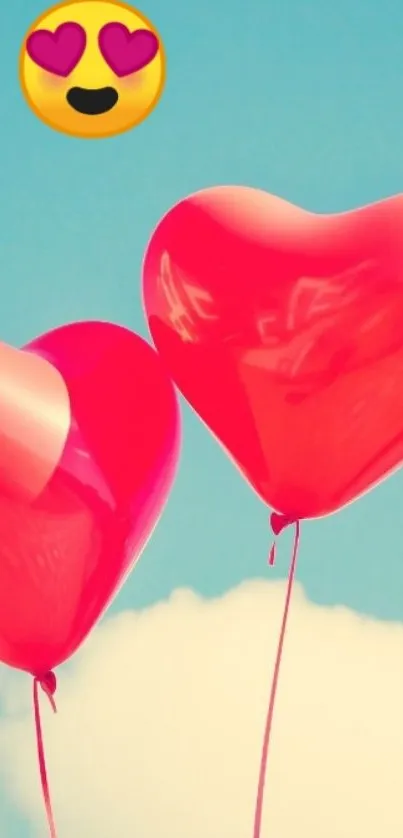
(91, 68)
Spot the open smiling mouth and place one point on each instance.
(92, 101)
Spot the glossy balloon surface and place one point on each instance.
(64, 555)
(283, 330)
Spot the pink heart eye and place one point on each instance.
(57, 52)
(127, 52)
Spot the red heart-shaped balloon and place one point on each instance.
(73, 524)
(283, 329)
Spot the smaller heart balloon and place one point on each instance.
(89, 441)
(283, 330)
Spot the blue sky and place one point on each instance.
(302, 99)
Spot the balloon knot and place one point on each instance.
(48, 684)
(279, 522)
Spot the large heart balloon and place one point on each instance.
(284, 331)
(88, 449)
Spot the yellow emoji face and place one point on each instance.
(92, 68)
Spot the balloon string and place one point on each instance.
(48, 685)
(274, 683)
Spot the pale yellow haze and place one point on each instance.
(34, 421)
(45, 92)
(161, 715)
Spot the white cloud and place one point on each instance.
(160, 722)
